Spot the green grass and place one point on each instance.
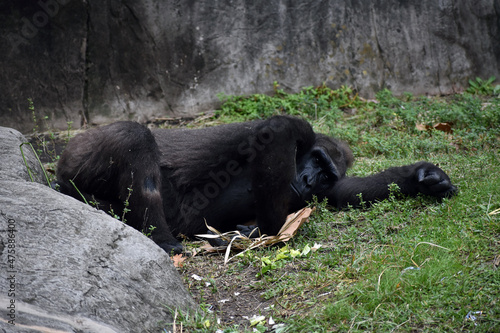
(360, 279)
(453, 244)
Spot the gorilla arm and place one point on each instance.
(421, 177)
(280, 142)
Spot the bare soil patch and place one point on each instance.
(231, 291)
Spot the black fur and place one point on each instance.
(225, 175)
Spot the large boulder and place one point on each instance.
(93, 61)
(67, 267)
(18, 161)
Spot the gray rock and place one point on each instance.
(99, 61)
(12, 164)
(75, 268)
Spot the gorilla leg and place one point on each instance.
(116, 164)
(140, 187)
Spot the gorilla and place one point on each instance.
(176, 180)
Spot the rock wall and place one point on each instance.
(97, 61)
(66, 267)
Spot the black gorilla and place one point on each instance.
(176, 179)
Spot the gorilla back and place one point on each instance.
(176, 179)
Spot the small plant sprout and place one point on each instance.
(482, 87)
(126, 204)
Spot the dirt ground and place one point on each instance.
(231, 291)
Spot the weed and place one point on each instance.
(126, 204)
(68, 136)
(482, 87)
(31, 107)
(80, 193)
(496, 91)
(30, 172)
(310, 102)
(151, 228)
(48, 144)
(283, 255)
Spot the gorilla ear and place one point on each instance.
(347, 152)
(338, 150)
(420, 175)
(428, 177)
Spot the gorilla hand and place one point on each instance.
(250, 231)
(433, 181)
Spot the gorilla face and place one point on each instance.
(316, 172)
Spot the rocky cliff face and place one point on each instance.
(98, 61)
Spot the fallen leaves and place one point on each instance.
(496, 261)
(238, 241)
(443, 127)
(178, 260)
(242, 242)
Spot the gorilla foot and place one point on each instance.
(172, 248)
(250, 231)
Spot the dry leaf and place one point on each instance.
(444, 127)
(485, 105)
(178, 260)
(369, 100)
(496, 211)
(208, 248)
(422, 127)
(316, 247)
(496, 261)
(239, 241)
(293, 223)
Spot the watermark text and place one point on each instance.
(11, 267)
